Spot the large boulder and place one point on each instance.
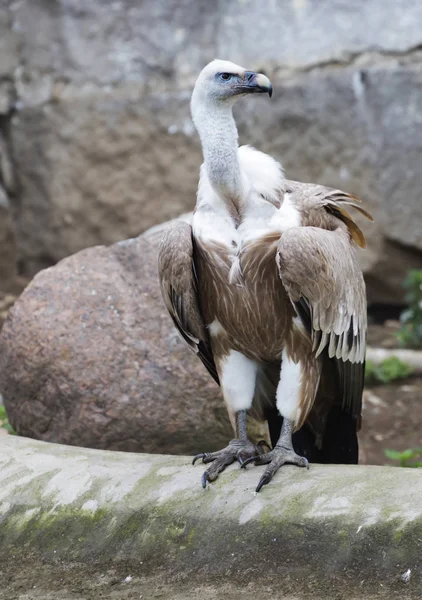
(103, 142)
(89, 357)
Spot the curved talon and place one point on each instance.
(237, 449)
(204, 479)
(264, 443)
(278, 457)
(198, 456)
(248, 461)
(263, 481)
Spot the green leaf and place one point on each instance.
(9, 429)
(408, 454)
(406, 458)
(393, 454)
(388, 370)
(410, 333)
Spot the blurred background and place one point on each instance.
(97, 144)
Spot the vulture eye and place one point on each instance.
(226, 76)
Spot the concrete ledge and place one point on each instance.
(350, 528)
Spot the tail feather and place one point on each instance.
(338, 443)
(264, 401)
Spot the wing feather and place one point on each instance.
(179, 289)
(320, 272)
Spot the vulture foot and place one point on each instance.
(275, 459)
(240, 450)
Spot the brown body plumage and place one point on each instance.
(257, 313)
(272, 284)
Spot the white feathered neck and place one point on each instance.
(219, 139)
(228, 171)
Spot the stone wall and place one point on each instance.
(94, 103)
(90, 524)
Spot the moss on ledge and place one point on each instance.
(344, 524)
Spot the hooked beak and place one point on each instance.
(256, 83)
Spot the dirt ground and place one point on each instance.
(42, 581)
(392, 414)
(392, 418)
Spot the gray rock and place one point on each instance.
(7, 97)
(106, 169)
(395, 105)
(9, 41)
(7, 243)
(112, 43)
(118, 525)
(104, 144)
(118, 42)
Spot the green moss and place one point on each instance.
(390, 369)
(77, 534)
(95, 517)
(191, 536)
(204, 525)
(4, 421)
(398, 536)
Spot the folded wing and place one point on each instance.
(180, 291)
(319, 269)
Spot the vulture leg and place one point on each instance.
(283, 453)
(240, 449)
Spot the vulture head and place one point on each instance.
(224, 82)
(217, 88)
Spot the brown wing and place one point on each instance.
(318, 201)
(179, 289)
(319, 269)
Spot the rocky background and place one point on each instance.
(97, 145)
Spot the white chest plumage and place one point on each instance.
(241, 259)
(266, 209)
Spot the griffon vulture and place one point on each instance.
(266, 288)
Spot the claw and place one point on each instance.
(266, 478)
(243, 458)
(248, 461)
(198, 456)
(264, 443)
(279, 457)
(237, 449)
(204, 479)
